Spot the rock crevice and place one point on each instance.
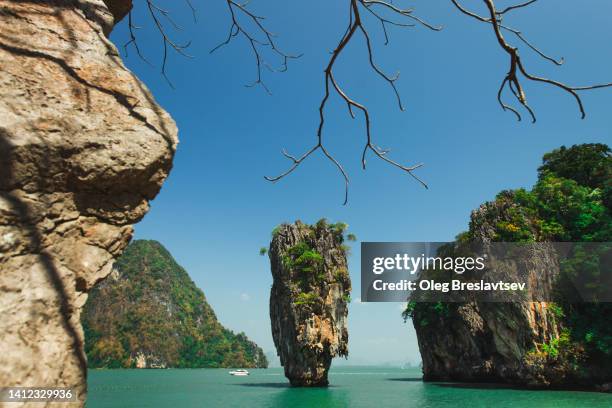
(83, 148)
(479, 341)
(309, 299)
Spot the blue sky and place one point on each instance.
(216, 210)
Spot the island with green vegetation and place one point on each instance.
(150, 314)
(560, 343)
(309, 298)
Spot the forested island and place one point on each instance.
(150, 314)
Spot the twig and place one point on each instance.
(133, 41)
(356, 24)
(236, 28)
(511, 80)
(154, 12)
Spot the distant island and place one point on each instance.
(150, 314)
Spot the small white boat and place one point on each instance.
(240, 372)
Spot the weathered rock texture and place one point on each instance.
(494, 342)
(532, 341)
(308, 300)
(83, 148)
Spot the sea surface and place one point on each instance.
(371, 387)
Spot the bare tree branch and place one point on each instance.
(166, 40)
(356, 24)
(402, 12)
(387, 14)
(133, 41)
(237, 28)
(193, 11)
(155, 12)
(512, 81)
(510, 8)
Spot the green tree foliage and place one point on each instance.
(308, 298)
(305, 260)
(307, 265)
(556, 209)
(587, 164)
(151, 306)
(568, 204)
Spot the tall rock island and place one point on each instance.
(149, 314)
(309, 299)
(553, 342)
(480, 341)
(83, 148)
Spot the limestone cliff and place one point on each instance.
(150, 314)
(488, 342)
(534, 343)
(308, 300)
(83, 148)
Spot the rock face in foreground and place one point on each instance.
(309, 299)
(150, 314)
(83, 148)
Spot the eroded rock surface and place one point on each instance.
(493, 342)
(556, 332)
(83, 148)
(308, 300)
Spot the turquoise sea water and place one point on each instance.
(377, 387)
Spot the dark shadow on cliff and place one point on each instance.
(21, 213)
(122, 196)
(121, 98)
(93, 11)
(156, 108)
(28, 223)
